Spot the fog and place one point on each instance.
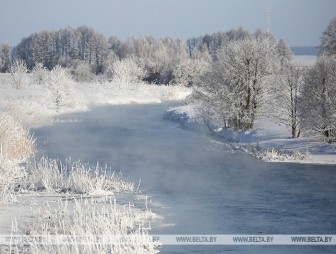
(194, 182)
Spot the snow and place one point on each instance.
(268, 140)
(33, 106)
(304, 60)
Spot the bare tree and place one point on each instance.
(287, 97)
(319, 100)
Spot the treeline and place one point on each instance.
(161, 61)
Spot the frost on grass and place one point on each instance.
(53, 176)
(10, 173)
(89, 217)
(86, 226)
(89, 220)
(275, 155)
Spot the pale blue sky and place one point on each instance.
(299, 22)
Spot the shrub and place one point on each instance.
(40, 74)
(126, 71)
(15, 141)
(17, 71)
(60, 84)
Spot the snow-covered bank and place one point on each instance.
(268, 140)
(31, 192)
(33, 104)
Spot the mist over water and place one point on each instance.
(197, 186)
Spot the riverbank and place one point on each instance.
(41, 199)
(269, 140)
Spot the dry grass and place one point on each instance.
(15, 141)
(16, 145)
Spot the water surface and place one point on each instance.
(195, 184)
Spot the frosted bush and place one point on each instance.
(278, 155)
(60, 84)
(126, 71)
(18, 71)
(15, 141)
(82, 73)
(40, 74)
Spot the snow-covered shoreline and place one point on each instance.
(268, 140)
(26, 208)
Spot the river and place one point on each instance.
(194, 183)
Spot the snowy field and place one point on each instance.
(304, 60)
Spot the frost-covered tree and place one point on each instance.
(110, 59)
(63, 46)
(5, 58)
(126, 71)
(238, 81)
(318, 98)
(157, 57)
(40, 74)
(82, 72)
(284, 52)
(18, 70)
(189, 70)
(287, 97)
(60, 84)
(328, 39)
